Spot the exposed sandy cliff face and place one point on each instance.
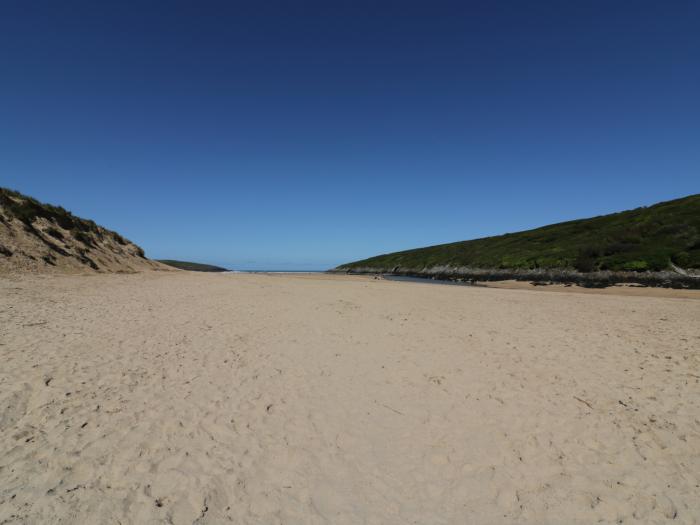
(38, 237)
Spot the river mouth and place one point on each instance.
(428, 280)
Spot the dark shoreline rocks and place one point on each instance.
(600, 279)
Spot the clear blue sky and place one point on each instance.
(295, 134)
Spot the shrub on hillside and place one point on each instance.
(53, 232)
(84, 238)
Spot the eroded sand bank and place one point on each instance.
(191, 398)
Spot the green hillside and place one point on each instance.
(192, 266)
(649, 238)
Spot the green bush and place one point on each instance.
(636, 266)
(681, 259)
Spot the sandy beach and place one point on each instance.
(175, 397)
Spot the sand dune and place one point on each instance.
(190, 398)
(40, 238)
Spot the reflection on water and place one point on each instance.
(426, 280)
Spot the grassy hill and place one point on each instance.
(192, 266)
(647, 239)
(35, 236)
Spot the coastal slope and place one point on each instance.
(39, 237)
(655, 244)
(192, 266)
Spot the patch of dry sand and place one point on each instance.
(199, 398)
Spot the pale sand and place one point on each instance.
(195, 398)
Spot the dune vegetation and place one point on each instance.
(36, 236)
(662, 237)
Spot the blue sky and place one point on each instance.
(306, 134)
